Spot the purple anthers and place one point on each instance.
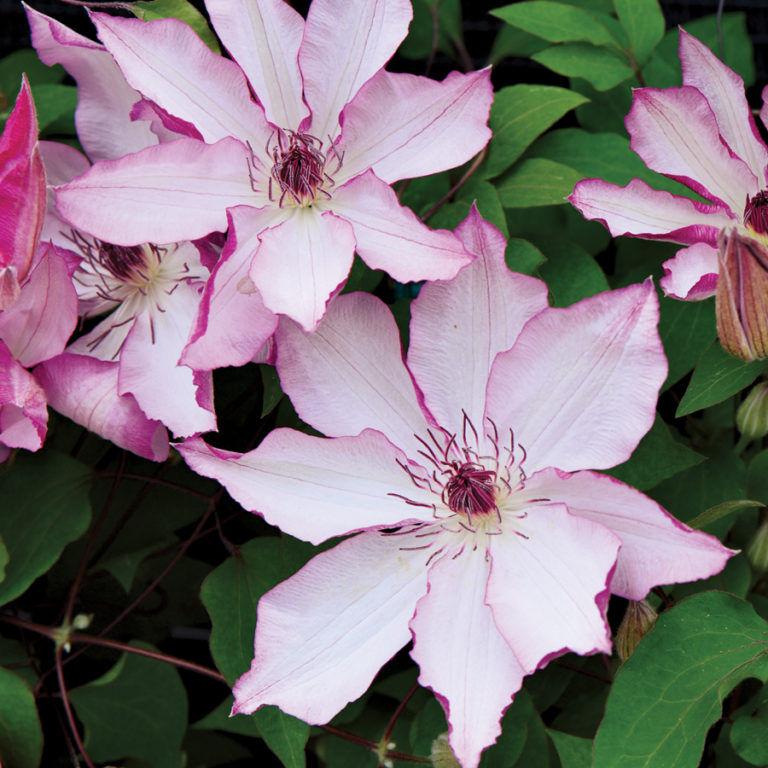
(756, 212)
(471, 490)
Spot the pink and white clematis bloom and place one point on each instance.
(300, 178)
(150, 294)
(481, 531)
(702, 134)
(38, 306)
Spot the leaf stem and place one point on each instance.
(68, 710)
(457, 186)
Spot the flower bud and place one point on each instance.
(742, 295)
(752, 415)
(757, 550)
(441, 753)
(638, 621)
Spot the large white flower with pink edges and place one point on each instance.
(482, 533)
(702, 134)
(301, 177)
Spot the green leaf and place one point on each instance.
(45, 506)
(24, 61)
(179, 9)
(643, 22)
(55, 106)
(719, 511)
(519, 114)
(511, 41)
(556, 22)
(522, 256)
(606, 110)
(598, 66)
(757, 477)
(4, 557)
(484, 195)
(230, 595)
(573, 751)
(669, 692)
(569, 271)
(749, 732)
(420, 40)
(137, 709)
(657, 457)
(272, 390)
(718, 376)
(521, 723)
(686, 328)
(21, 738)
(534, 182)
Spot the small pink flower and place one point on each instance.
(482, 534)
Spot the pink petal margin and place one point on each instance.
(692, 274)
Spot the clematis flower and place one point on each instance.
(148, 293)
(37, 298)
(301, 177)
(703, 135)
(482, 532)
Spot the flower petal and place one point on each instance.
(655, 548)
(302, 262)
(403, 125)
(390, 237)
(676, 134)
(692, 274)
(23, 412)
(579, 387)
(322, 635)
(345, 43)
(263, 37)
(104, 98)
(349, 375)
(313, 487)
(548, 588)
(163, 194)
(40, 322)
(232, 323)
(462, 656)
(165, 391)
(168, 63)
(642, 211)
(85, 390)
(724, 90)
(458, 327)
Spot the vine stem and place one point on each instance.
(158, 481)
(396, 714)
(68, 710)
(457, 186)
(374, 746)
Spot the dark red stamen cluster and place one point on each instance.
(122, 261)
(471, 490)
(299, 167)
(756, 212)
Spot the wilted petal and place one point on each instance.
(692, 274)
(724, 90)
(548, 589)
(302, 262)
(43, 317)
(323, 634)
(579, 387)
(676, 134)
(390, 236)
(313, 487)
(641, 211)
(22, 186)
(232, 323)
(263, 37)
(655, 548)
(85, 390)
(349, 375)
(163, 194)
(23, 413)
(404, 126)
(104, 98)
(742, 296)
(462, 656)
(165, 391)
(345, 43)
(458, 327)
(167, 62)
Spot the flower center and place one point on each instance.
(471, 490)
(756, 212)
(299, 171)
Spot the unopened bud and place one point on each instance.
(742, 295)
(442, 755)
(757, 550)
(752, 415)
(638, 621)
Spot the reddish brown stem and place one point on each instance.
(399, 711)
(373, 746)
(68, 710)
(457, 186)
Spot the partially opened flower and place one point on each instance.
(481, 533)
(38, 306)
(703, 135)
(300, 177)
